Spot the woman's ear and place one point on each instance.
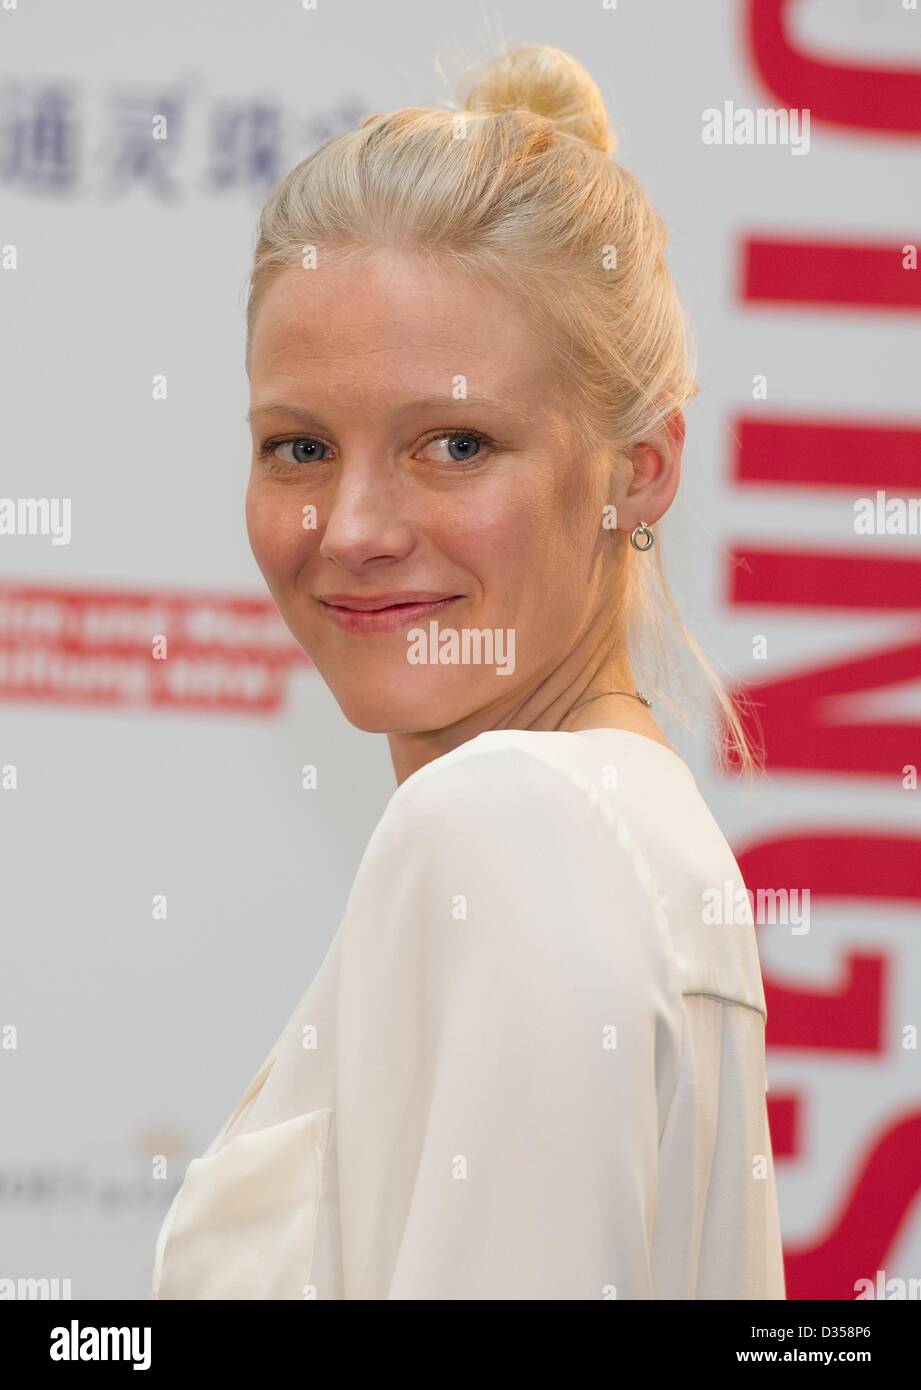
(656, 472)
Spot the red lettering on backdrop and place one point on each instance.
(842, 274)
(95, 646)
(869, 1219)
(884, 99)
(851, 1015)
(827, 453)
(827, 579)
(796, 720)
(803, 731)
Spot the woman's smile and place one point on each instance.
(358, 616)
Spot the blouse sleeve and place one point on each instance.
(508, 1040)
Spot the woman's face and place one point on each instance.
(409, 437)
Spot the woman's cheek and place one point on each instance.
(281, 530)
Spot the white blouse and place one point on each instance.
(530, 1066)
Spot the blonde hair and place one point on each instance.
(519, 188)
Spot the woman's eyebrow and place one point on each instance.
(445, 402)
(276, 408)
(474, 398)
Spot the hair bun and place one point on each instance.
(549, 82)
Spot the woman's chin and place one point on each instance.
(376, 713)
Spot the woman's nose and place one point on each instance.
(367, 518)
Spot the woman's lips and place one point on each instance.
(384, 619)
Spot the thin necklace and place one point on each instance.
(634, 695)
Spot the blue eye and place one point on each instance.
(464, 447)
(460, 440)
(303, 443)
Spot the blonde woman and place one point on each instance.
(531, 1065)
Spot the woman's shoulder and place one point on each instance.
(597, 775)
(504, 777)
(549, 804)
(509, 834)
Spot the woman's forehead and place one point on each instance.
(366, 291)
(340, 326)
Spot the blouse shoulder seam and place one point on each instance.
(441, 766)
(606, 815)
(725, 998)
(608, 819)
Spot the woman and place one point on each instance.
(531, 1064)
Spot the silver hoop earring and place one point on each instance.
(643, 530)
